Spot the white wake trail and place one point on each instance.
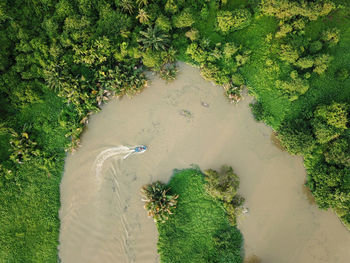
(120, 152)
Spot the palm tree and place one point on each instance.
(142, 2)
(142, 16)
(159, 203)
(127, 6)
(153, 38)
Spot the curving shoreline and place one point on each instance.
(110, 225)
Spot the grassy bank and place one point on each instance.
(60, 60)
(199, 228)
(30, 196)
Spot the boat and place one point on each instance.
(140, 149)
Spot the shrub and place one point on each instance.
(222, 185)
(321, 63)
(283, 30)
(237, 79)
(163, 23)
(331, 36)
(204, 12)
(158, 201)
(330, 121)
(152, 60)
(257, 110)
(171, 7)
(196, 53)
(230, 21)
(184, 19)
(296, 136)
(338, 152)
(168, 72)
(193, 34)
(304, 63)
(288, 53)
(325, 133)
(315, 46)
(212, 72)
(230, 49)
(294, 88)
(289, 9)
(334, 114)
(242, 59)
(228, 244)
(153, 39)
(342, 74)
(299, 24)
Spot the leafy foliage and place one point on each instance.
(61, 60)
(199, 230)
(159, 203)
(228, 21)
(223, 185)
(153, 38)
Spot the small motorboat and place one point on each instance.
(140, 149)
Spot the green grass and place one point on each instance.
(188, 234)
(323, 89)
(29, 204)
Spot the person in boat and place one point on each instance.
(140, 148)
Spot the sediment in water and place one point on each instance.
(104, 221)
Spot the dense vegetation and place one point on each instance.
(199, 230)
(60, 60)
(159, 203)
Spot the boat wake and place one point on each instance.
(120, 153)
(120, 204)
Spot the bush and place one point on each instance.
(321, 63)
(152, 60)
(296, 136)
(171, 7)
(193, 34)
(331, 36)
(237, 79)
(228, 245)
(197, 53)
(342, 74)
(257, 110)
(325, 133)
(284, 30)
(304, 63)
(204, 12)
(163, 23)
(230, 21)
(315, 46)
(334, 114)
(212, 72)
(229, 50)
(222, 185)
(242, 59)
(288, 53)
(289, 9)
(184, 19)
(294, 88)
(338, 152)
(168, 72)
(158, 202)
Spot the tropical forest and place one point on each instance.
(175, 131)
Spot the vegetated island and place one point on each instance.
(195, 215)
(60, 60)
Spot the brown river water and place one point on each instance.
(102, 215)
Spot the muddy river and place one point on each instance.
(187, 122)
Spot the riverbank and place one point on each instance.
(282, 226)
(199, 229)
